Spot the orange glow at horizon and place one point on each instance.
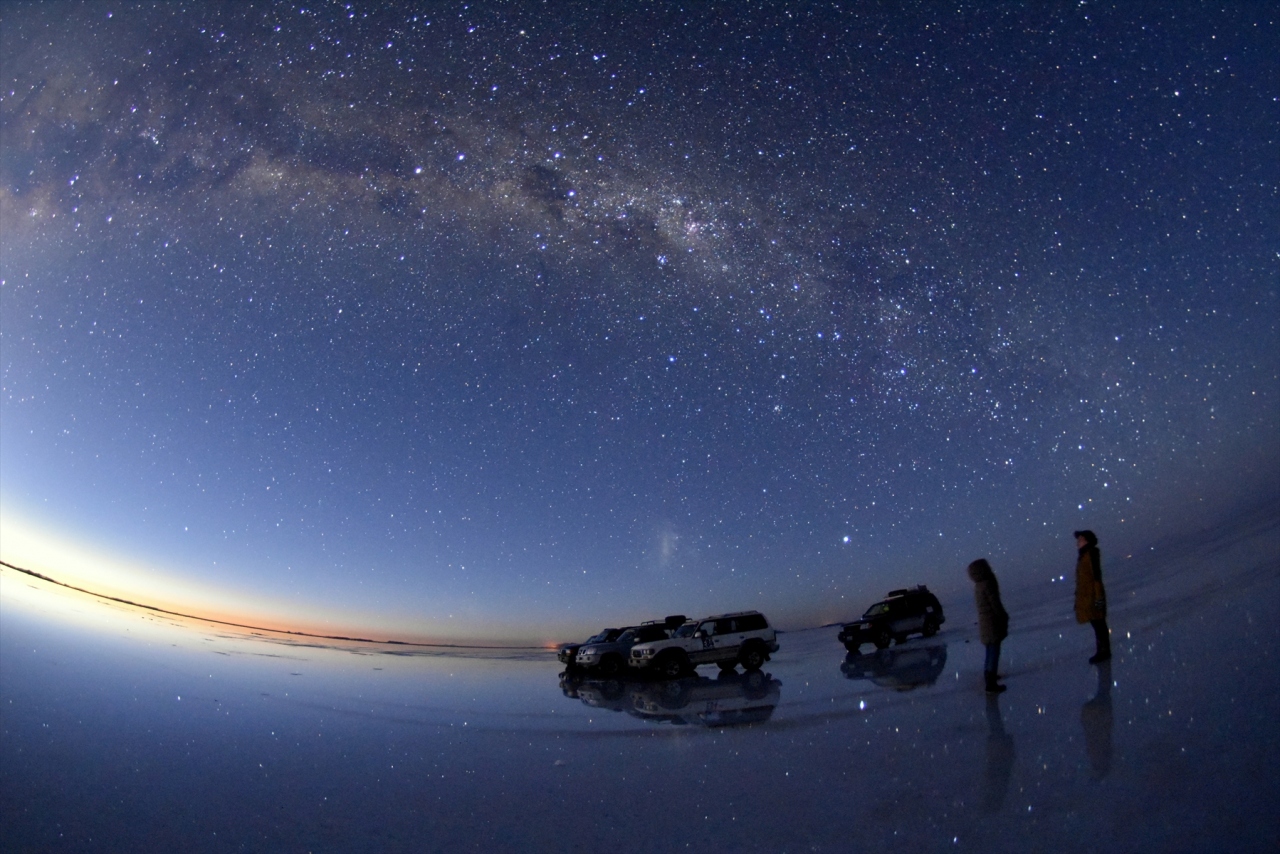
(98, 573)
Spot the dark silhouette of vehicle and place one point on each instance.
(568, 652)
(731, 699)
(609, 657)
(726, 640)
(900, 669)
(611, 694)
(905, 612)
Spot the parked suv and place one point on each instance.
(610, 656)
(905, 612)
(726, 640)
(568, 652)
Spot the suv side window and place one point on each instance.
(752, 623)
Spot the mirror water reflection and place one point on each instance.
(901, 668)
(999, 757)
(157, 733)
(1098, 721)
(729, 699)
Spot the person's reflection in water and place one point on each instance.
(995, 784)
(1096, 718)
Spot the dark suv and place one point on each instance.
(609, 657)
(906, 612)
(568, 652)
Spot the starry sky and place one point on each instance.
(505, 321)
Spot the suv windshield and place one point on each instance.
(685, 631)
(877, 609)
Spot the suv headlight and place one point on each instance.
(587, 650)
(642, 652)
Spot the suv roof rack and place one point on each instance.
(919, 588)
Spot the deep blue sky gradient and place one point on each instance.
(510, 320)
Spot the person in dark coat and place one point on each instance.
(993, 620)
(1091, 596)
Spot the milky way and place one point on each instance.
(521, 316)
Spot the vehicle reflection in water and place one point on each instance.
(900, 668)
(731, 699)
(599, 693)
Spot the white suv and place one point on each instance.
(726, 640)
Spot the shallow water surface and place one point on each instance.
(127, 731)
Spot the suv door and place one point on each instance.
(705, 635)
(727, 639)
(912, 616)
(899, 616)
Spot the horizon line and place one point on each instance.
(292, 632)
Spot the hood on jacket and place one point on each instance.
(980, 570)
(1089, 537)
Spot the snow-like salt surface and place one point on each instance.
(122, 731)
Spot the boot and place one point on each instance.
(1102, 634)
(993, 687)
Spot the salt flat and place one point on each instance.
(124, 731)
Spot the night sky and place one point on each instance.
(505, 321)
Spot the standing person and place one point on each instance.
(993, 620)
(1091, 596)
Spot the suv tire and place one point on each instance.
(883, 639)
(674, 694)
(930, 626)
(610, 665)
(752, 657)
(672, 664)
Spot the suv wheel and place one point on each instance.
(610, 665)
(930, 626)
(883, 639)
(671, 665)
(674, 695)
(752, 657)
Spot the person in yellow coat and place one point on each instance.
(1091, 596)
